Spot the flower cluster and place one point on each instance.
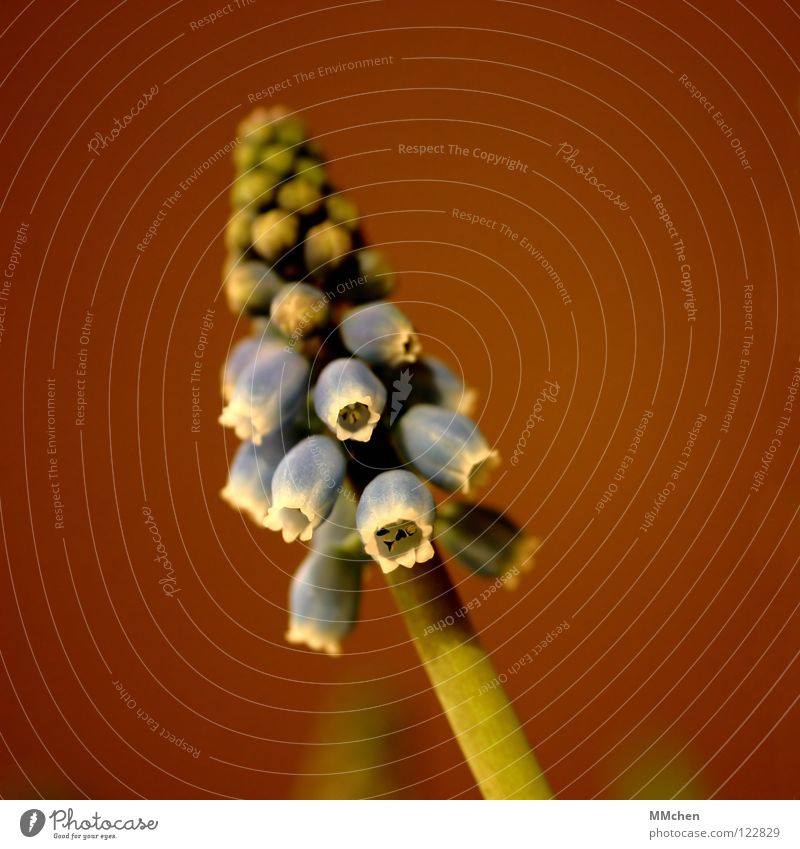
(345, 424)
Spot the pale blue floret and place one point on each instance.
(305, 487)
(323, 601)
(445, 447)
(395, 520)
(250, 476)
(349, 399)
(244, 354)
(448, 388)
(380, 333)
(266, 395)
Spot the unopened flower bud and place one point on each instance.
(305, 487)
(435, 383)
(237, 233)
(445, 447)
(253, 189)
(278, 160)
(488, 543)
(376, 278)
(380, 334)
(299, 310)
(299, 195)
(326, 245)
(274, 233)
(250, 287)
(342, 210)
(311, 170)
(349, 399)
(395, 520)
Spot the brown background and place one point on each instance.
(679, 672)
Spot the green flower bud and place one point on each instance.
(274, 233)
(246, 155)
(298, 195)
(254, 188)
(299, 309)
(289, 130)
(256, 129)
(376, 278)
(488, 543)
(277, 159)
(341, 210)
(311, 170)
(326, 246)
(237, 233)
(250, 287)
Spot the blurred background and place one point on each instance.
(639, 248)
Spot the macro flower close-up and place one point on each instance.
(403, 404)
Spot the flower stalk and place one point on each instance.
(476, 705)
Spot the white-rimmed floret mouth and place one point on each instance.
(357, 420)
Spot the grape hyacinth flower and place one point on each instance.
(488, 543)
(250, 476)
(395, 520)
(349, 398)
(325, 591)
(267, 393)
(446, 447)
(380, 333)
(323, 601)
(305, 487)
(329, 460)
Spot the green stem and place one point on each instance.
(473, 699)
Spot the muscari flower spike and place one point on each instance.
(316, 423)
